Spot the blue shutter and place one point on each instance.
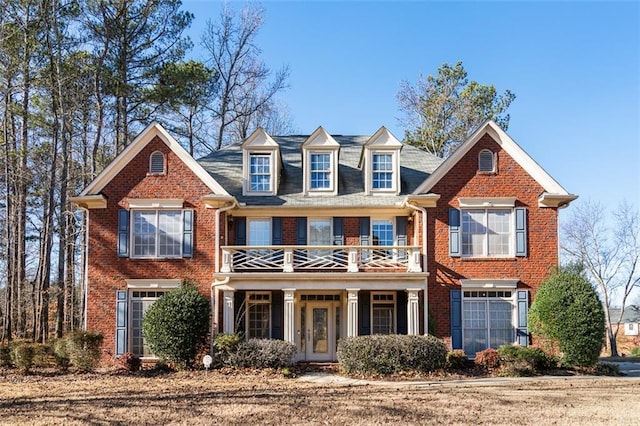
(522, 331)
(277, 315)
(456, 319)
(401, 235)
(301, 231)
(187, 233)
(338, 231)
(364, 313)
(454, 232)
(401, 315)
(276, 231)
(121, 322)
(521, 231)
(365, 239)
(241, 231)
(123, 233)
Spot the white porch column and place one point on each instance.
(227, 260)
(288, 260)
(289, 315)
(352, 312)
(413, 315)
(227, 312)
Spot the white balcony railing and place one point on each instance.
(320, 259)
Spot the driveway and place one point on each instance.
(630, 369)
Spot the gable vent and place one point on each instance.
(485, 161)
(156, 165)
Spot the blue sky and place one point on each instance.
(574, 67)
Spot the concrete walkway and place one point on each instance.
(631, 371)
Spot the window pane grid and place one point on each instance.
(260, 172)
(487, 323)
(382, 171)
(486, 233)
(157, 233)
(320, 171)
(258, 323)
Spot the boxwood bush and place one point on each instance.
(456, 360)
(176, 325)
(388, 354)
(524, 360)
(83, 349)
(261, 353)
(568, 313)
(22, 356)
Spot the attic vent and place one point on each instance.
(485, 161)
(156, 163)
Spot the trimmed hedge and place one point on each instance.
(524, 360)
(261, 353)
(456, 360)
(176, 326)
(83, 349)
(568, 313)
(488, 358)
(388, 354)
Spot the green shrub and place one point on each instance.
(61, 354)
(524, 360)
(456, 360)
(224, 345)
(83, 349)
(22, 356)
(387, 354)
(262, 353)
(487, 358)
(176, 325)
(567, 312)
(635, 352)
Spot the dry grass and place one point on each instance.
(193, 398)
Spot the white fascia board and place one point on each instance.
(152, 130)
(320, 139)
(555, 200)
(509, 145)
(98, 201)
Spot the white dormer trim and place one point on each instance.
(320, 142)
(381, 143)
(550, 185)
(260, 144)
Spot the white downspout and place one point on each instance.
(218, 212)
(425, 261)
(85, 272)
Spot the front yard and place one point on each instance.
(255, 398)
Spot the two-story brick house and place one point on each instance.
(310, 238)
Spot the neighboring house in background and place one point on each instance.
(310, 238)
(630, 319)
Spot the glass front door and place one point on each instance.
(319, 333)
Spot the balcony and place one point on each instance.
(321, 259)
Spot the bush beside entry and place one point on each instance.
(568, 314)
(177, 324)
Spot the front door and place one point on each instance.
(320, 331)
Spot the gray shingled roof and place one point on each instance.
(225, 166)
(631, 314)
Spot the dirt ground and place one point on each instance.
(199, 399)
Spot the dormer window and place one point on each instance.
(156, 163)
(382, 168)
(260, 164)
(320, 164)
(260, 172)
(486, 161)
(380, 163)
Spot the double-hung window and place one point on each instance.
(157, 233)
(258, 315)
(382, 171)
(319, 235)
(382, 235)
(383, 313)
(487, 320)
(320, 171)
(260, 172)
(487, 233)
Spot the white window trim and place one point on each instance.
(248, 304)
(512, 234)
(164, 163)
(273, 170)
(151, 283)
(476, 285)
(156, 203)
(132, 234)
(333, 171)
(395, 171)
(486, 202)
(395, 308)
